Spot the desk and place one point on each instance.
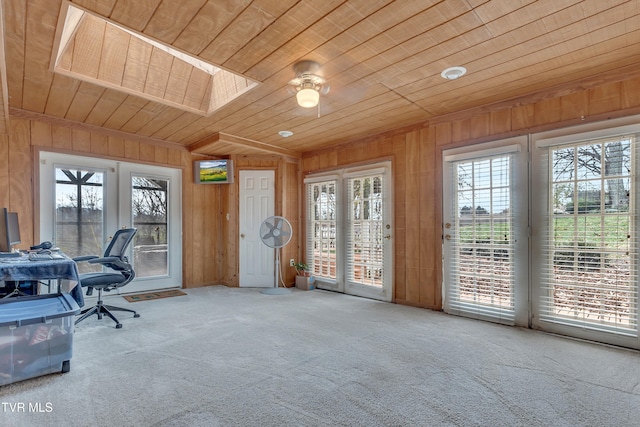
(21, 269)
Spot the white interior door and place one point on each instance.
(83, 200)
(256, 204)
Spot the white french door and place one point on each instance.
(485, 231)
(350, 231)
(83, 200)
(368, 247)
(569, 263)
(585, 234)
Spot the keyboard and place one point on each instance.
(34, 256)
(10, 254)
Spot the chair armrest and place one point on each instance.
(84, 258)
(103, 260)
(112, 262)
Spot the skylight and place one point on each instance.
(94, 49)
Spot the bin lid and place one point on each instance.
(38, 309)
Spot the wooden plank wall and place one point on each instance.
(286, 204)
(18, 185)
(210, 251)
(416, 155)
(210, 241)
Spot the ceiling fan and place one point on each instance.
(308, 84)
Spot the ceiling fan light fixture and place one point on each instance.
(453, 73)
(308, 97)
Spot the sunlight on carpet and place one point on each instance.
(153, 295)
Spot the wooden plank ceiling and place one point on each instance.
(381, 58)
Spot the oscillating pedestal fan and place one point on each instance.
(275, 232)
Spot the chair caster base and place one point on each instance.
(102, 310)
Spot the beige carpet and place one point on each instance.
(236, 357)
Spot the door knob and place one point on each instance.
(242, 235)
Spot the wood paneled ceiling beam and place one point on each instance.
(207, 145)
(30, 115)
(4, 89)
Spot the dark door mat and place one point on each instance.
(153, 295)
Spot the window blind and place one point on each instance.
(322, 228)
(589, 275)
(365, 225)
(481, 233)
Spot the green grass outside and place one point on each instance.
(584, 229)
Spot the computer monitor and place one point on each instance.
(9, 230)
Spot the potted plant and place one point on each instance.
(304, 279)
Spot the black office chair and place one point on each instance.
(114, 258)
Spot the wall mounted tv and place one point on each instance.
(213, 171)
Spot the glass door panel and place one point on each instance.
(79, 213)
(322, 233)
(589, 275)
(482, 248)
(368, 234)
(149, 212)
(485, 248)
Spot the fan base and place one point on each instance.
(276, 291)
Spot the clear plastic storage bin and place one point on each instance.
(36, 336)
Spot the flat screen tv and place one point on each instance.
(213, 171)
(9, 230)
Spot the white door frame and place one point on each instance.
(256, 203)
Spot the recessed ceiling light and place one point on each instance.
(453, 73)
(285, 133)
